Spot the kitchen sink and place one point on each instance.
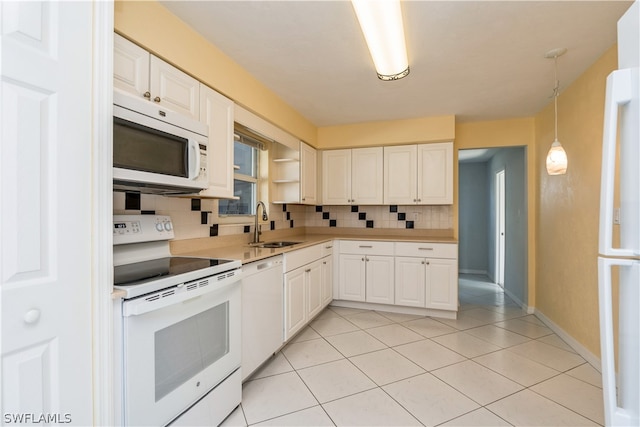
(276, 244)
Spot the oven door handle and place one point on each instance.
(176, 295)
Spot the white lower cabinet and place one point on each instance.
(427, 275)
(442, 284)
(366, 272)
(409, 274)
(307, 286)
(313, 286)
(352, 277)
(327, 280)
(379, 279)
(295, 297)
(410, 281)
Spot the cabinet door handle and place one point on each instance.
(308, 270)
(362, 259)
(147, 95)
(324, 262)
(425, 249)
(328, 247)
(366, 246)
(156, 99)
(419, 200)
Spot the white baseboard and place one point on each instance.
(573, 343)
(471, 271)
(525, 307)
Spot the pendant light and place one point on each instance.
(556, 157)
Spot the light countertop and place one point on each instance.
(246, 253)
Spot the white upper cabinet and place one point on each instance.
(217, 112)
(400, 175)
(336, 177)
(352, 176)
(435, 174)
(139, 73)
(366, 176)
(308, 175)
(419, 174)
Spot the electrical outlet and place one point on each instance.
(416, 216)
(616, 216)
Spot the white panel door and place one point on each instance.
(366, 176)
(380, 279)
(410, 281)
(173, 89)
(400, 175)
(295, 316)
(435, 174)
(308, 175)
(217, 112)
(336, 177)
(45, 196)
(352, 277)
(442, 284)
(130, 67)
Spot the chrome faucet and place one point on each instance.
(256, 232)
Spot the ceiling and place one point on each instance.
(477, 60)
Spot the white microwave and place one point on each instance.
(156, 150)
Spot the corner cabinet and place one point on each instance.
(293, 174)
(141, 74)
(352, 176)
(419, 174)
(216, 111)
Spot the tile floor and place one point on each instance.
(493, 366)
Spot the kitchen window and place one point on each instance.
(248, 149)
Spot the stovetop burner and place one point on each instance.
(140, 272)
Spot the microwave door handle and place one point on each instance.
(617, 93)
(194, 150)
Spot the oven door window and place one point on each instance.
(145, 149)
(186, 348)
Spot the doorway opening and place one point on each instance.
(492, 217)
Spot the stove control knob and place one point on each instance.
(159, 226)
(167, 226)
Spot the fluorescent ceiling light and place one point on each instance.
(381, 23)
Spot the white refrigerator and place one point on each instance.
(621, 162)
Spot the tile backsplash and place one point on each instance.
(193, 218)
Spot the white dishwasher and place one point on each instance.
(262, 312)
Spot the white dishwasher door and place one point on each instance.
(262, 312)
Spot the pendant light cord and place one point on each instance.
(555, 97)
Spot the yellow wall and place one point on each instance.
(504, 133)
(568, 207)
(156, 29)
(426, 129)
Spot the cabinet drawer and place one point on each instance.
(366, 247)
(300, 257)
(427, 250)
(327, 248)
